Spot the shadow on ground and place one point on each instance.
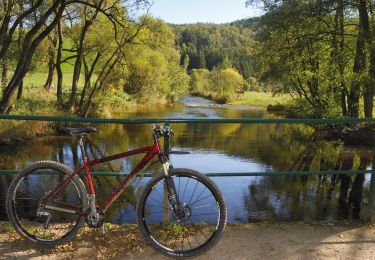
(250, 241)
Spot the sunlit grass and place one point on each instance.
(37, 80)
(261, 99)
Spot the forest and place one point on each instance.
(89, 57)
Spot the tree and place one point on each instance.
(222, 85)
(201, 60)
(226, 84)
(88, 19)
(153, 70)
(320, 53)
(42, 17)
(32, 39)
(200, 83)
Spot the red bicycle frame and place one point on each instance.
(150, 151)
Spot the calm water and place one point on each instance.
(224, 148)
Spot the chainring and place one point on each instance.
(95, 223)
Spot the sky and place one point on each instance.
(206, 11)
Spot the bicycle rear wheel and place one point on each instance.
(200, 222)
(45, 227)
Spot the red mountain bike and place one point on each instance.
(180, 212)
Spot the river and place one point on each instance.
(225, 148)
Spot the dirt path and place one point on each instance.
(251, 241)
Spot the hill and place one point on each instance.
(206, 45)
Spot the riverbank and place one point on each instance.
(33, 103)
(249, 241)
(114, 103)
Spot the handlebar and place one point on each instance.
(162, 130)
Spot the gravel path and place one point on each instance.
(250, 241)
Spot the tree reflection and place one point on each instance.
(306, 197)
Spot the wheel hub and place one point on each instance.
(183, 213)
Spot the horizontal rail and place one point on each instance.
(184, 120)
(237, 174)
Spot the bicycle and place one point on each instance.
(180, 212)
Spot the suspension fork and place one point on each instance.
(172, 195)
(169, 185)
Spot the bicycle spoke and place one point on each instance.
(201, 193)
(201, 199)
(185, 188)
(32, 218)
(193, 191)
(178, 191)
(205, 214)
(160, 202)
(187, 228)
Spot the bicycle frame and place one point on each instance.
(150, 151)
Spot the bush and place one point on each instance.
(302, 108)
(111, 101)
(222, 85)
(200, 83)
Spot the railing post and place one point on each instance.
(371, 196)
(166, 143)
(165, 195)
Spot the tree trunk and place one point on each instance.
(88, 76)
(4, 73)
(51, 72)
(368, 92)
(78, 62)
(59, 98)
(20, 43)
(20, 90)
(51, 63)
(358, 68)
(106, 70)
(341, 64)
(87, 83)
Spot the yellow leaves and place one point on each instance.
(119, 241)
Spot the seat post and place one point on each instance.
(81, 145)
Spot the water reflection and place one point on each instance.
(224, 148)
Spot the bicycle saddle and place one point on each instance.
(77, 131)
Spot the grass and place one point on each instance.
(34, 102)
(37, 80)
(262, 99)
(37, 77)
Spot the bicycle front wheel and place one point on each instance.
(52, 224)
(199, 223)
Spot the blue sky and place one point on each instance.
(192, 11)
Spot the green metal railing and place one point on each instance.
(192, 121)
(222, 121)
